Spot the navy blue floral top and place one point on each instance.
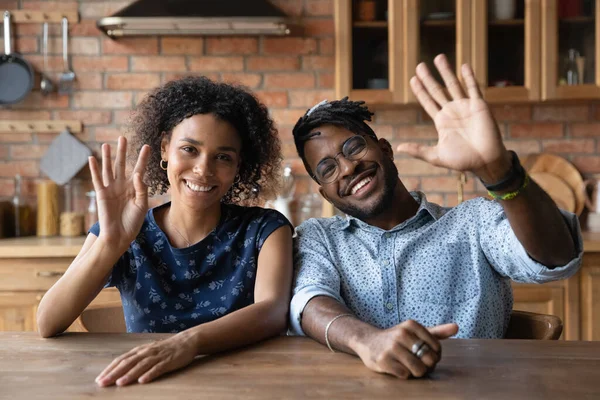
(166, 289)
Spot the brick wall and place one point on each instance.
(288, 74)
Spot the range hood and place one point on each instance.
(196, 17)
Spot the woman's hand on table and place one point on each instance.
(145, 363)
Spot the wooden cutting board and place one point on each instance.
(558, 167)
(557, 189)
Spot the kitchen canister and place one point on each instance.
(47, 208)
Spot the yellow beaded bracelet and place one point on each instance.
(511, 195)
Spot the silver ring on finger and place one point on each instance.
(422, 350)
(416, 346)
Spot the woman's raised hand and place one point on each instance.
(122, 200)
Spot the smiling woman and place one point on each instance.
(208, 265)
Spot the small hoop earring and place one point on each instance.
(164, 168)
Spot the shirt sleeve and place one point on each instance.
(315, 273)
(117, 275)
(508, 256)
(269, 223)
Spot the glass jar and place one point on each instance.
(71, 217)
(91, 215)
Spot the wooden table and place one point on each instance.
(65, 368)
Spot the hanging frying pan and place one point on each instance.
(16, 74)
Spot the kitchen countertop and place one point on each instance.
(34, 247)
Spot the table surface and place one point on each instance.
(293, 367)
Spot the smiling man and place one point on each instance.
(397, 274)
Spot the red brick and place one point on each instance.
(3, 152)
(87, 117)
(308, 98)
(290, 45)
(130, 46)
(276, 99)
(55, 63)
(36, 101)
(182, 45)
(397, 116)
(512, 112)
(103, 63)
(51, 5)
(100, 9)
(85, 80)
(9, 137)
(21, 114)
(561, 112)
(288, 150)
(9, 4)
(7, 187)
(285, 117)
(138, 97)
(85, 27)
(587, 164)
(250, 80)
(384, 131)
(170, 76)
(317, 27)
(326, 46)
(537, 130)
(89, 46)
(585, 130)
(102, 100)
(523, 147)
(24, 168)
(411, 183)
(416, 132)
(326, 79)
(272, 63)
(216, 64)
(318, 62)
(108, 134)
(231, 45)
(415, 167)
(319, 7)
(158, 63)
(446, 184)
(569, 146)
(25, 45)
(122, 117)
(435, 198)
(300, 80)
(132, 81)
(28, 151)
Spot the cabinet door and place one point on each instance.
(17, 311)
(590, 307)
(368, 50)
(506, 49)
(570, 49)
(540, 299)
(432, 27)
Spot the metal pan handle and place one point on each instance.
(65, 43)
(7, 49)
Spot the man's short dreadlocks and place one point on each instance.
(344, 113)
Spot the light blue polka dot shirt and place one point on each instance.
(442, 265)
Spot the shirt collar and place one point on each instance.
(425, 207)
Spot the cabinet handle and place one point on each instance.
(48, 274)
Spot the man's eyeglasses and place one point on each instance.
(353, 149)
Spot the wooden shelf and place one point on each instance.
(439, 22)
(576, 20)
(39, 126)
(31, 16)
(507, 22)
(370, 24)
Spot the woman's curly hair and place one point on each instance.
(166, 106)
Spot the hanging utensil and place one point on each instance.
(46, 86)
(67, 78)
(16, 74)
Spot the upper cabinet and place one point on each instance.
(520, 50)
(570, 49)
